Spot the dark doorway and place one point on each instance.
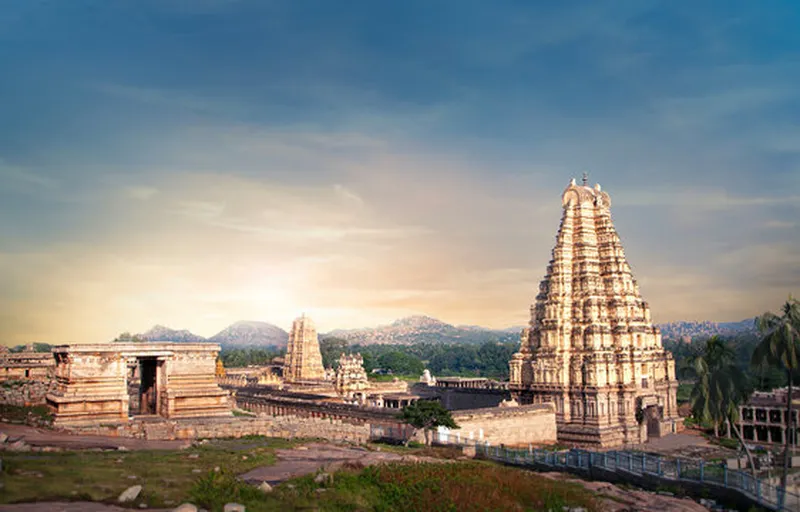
(652, 416)
(147, 387)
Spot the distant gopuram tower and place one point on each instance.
(591, 348)
(303, 360)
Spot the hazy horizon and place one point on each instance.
(196, 163)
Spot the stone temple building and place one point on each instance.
(303, 360)
(591, 347)
(351, 380)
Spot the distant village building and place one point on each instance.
(591, 348)
(303, 361)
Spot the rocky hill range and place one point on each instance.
(412, 330)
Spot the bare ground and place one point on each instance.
(40, 437)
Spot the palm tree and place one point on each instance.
(719, 390)
(780, 347)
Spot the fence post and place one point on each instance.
(658, 465)
(725, 474)
(630, 462)
(644, 463)
(758, 490)
(616, 462)
(702, 467)
(678, 468)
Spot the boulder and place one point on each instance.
(323, 478)
(185, 507)
(19, 446)
(265, 487)
(233, 507)
(130, 494)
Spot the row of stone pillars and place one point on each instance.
(283, 410)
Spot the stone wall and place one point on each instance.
(271, 426)
(25, 393)
(506, 425)
(455, 399)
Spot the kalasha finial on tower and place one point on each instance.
(585, 179)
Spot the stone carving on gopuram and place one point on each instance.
(303, 360)
(591, 347)
(351, 378)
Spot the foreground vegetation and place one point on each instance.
(167, 476)
(172, 477)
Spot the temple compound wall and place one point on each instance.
(591, 348)
(287, 427)
(496, 425)
(175, 380)
(522, 425)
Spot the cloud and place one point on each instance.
(20, 178)
(141, 193)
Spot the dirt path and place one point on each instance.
(42, 437)
(312, 457)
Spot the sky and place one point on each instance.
(192, 163)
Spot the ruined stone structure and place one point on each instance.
(763, 418)
(175, 380)
(26, 365)
(351, 380)
(303, 360)
(591, 348)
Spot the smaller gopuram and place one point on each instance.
(303, 360)
(112, 382)
(351, 378)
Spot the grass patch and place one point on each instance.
(172, 477)
(439, 452)
(467, 486)
(37, 415)
(166, 476)
(463, 486)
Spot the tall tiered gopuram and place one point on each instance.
(591, 347)
(303, 361)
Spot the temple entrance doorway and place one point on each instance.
(148, 396)
(652, 417)
(143, 386)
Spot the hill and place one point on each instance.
(676, 330)
(162, 333)
(251, 334)
(422, 329)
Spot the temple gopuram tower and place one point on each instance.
(303, 360)
(590, 347)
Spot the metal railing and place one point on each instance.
(668, 470)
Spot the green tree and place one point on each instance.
(400, 363)
(780, 347)
(127, 337)
(719, 390)
(331, 349)
(427, 415)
